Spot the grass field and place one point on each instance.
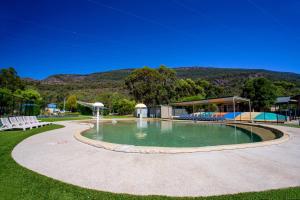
(80, 117)
(17, 182)
(56, 119)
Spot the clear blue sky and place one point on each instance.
(43, 37)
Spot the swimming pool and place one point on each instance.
(159, 133)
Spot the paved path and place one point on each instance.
(58, 155)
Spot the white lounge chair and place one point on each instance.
(35, 120)
(15, 123)
(24, 122)
(30, 120)
(7, 124)
(3, 127)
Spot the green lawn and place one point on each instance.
(80, 117)
(17, 182)
(56, 119)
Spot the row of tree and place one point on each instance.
(15, 94)
(161, 86)
(150, 86)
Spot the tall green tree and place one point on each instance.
(167, 86)
(30, 94)
(211, 91)
(151, 86)
(124, 106)
(261, 92)
(285, 88)
(71, 103)
(188, 88)
(9, 79)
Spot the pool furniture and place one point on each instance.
(8, 125)
(15, 123)
(32, 121)
(22, 121)
(35, 120)
(3, 127)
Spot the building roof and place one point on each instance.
(52, 105)
(224, 100)
(140, 105)
(284, 100)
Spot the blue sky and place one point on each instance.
(44, 37)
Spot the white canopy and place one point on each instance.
(140, 105)
(98, 104)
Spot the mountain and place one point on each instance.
(88, 87)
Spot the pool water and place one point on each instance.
(169, 134)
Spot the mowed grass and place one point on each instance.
(17, 182)
(57, 119)
(81, 117)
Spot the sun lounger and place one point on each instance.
(3, 127)
(15, 123)
(35, 120)
(28, 120)
(24, 122)
(7, 124)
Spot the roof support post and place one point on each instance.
(233, 108)
(250, 110)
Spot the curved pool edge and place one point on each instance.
(176, 150)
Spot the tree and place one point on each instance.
(188, 88)
(71, 103)
(9, 79)
(261, 92)
(285, 88)
(211, 91)
(152, 86)
(124, 106)
(166, 92)
(212, 107)
(30, 94)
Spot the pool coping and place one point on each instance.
(176, 150)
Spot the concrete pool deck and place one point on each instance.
(59, 155)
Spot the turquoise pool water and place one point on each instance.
(170, 134)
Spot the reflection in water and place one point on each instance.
(140, 135)
(99, 131)
(170, 134)
(235, 135)
(166, 126)
(141, 124)
(251, 133)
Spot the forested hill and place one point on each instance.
(218, 75)
(88, 86)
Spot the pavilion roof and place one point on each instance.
(224, 100)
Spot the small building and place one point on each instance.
(52, 108)
(141, 110)
(161, 111)
(288, 106)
